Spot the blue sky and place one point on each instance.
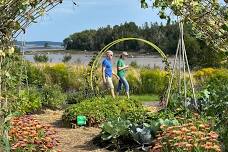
(66, 19)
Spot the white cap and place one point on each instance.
(109, 52)
(125, 53)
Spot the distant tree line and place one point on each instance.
(164, 36)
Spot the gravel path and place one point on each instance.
(153, 106)
(79, 139)
(71, 140)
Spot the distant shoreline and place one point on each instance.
(91, 53)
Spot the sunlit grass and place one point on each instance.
(143, 97)
(146, 97)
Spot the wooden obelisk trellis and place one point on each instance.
(180, 67)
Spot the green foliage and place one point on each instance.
(74, 97)
(214, 85)
(142, 134)
(13, 72)
(58, 74)
(205, 16)
(203, 74)
(120, 132)
(153, 81)
(165, 37)
(13, 76)
(40, 58)
(166, 122)
(217, 85)
(29, 100)
(134, 64)
(145, 97)
(67, 58)
(201, 55)
(15, 14)
(46, 45)
(114, 129)
(214, 101)
(67, 76)
(72, 78)
(133, 78)
(97, 110)
(34, 75)
(52, 96)
(4, 129)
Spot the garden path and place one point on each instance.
(152, 106)
(78, 139)
(71, 140)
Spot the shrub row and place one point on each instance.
(71, 77)
(33, 99)
(145, 80)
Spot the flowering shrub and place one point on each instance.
(27, 134)
(153, 81)
(205, 72)
(187, 137)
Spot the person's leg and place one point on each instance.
(111, 86)
(124, 80)
(119, 87)
(113, 93)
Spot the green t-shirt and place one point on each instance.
(120, 63)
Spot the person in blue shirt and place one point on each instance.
(107, 72)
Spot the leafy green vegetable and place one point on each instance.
(142, 134)
(115, 129)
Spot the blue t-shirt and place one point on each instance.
(108, 67)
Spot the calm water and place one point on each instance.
(142, 60)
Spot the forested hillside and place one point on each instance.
(164, 36)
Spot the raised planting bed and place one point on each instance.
(28, 134)
(99, 110)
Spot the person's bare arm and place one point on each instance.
(115, 75)
(122, 68)
(103, 74)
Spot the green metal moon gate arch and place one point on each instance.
(107, 47)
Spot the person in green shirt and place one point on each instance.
(121, 72)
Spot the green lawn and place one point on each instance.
(143, 97)
(146, 97)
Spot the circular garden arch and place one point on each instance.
(98, 56)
